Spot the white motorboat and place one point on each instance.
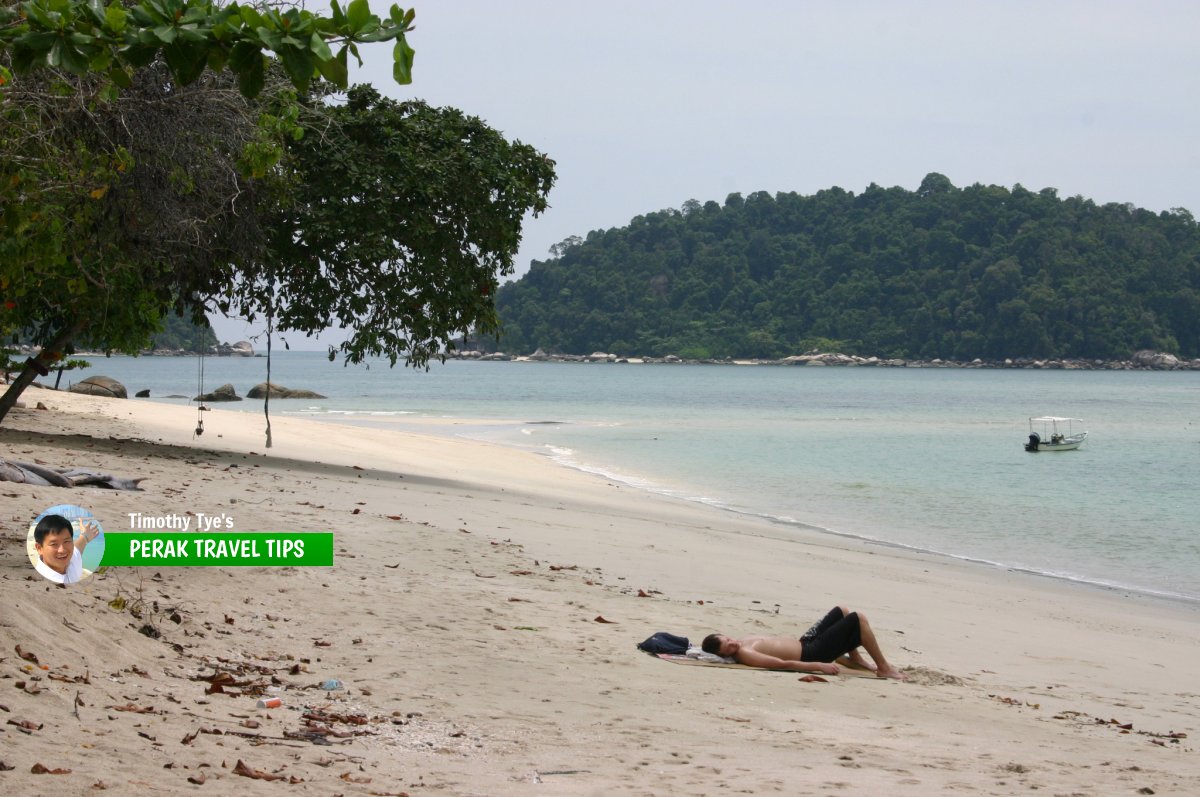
(1051, 433)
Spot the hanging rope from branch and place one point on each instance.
(199, 398)
(267, 400)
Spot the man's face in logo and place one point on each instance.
(56, 549)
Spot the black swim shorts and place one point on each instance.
(835, 635)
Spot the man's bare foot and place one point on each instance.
(892, 672)
(857, 661)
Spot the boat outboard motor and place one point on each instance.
(1034, 441)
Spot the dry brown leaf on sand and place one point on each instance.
(600, 619)
(346, 776)
(39, 769)
(27, 655)
(245, 771)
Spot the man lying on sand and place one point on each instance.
(839, 633)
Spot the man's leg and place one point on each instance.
(882, 668)
(855, 659)
(852, 658)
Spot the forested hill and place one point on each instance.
(956, 273)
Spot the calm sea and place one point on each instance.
(929, 459)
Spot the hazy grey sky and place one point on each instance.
(644, 105)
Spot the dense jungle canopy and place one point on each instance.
(955, 273)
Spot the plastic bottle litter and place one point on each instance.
(270, 702)
(332, 684)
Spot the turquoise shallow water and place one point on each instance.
(930, 459)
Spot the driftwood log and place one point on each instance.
(31, 473)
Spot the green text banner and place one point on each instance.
(218, 549)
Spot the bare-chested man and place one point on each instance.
(839, 633)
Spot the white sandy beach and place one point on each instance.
(462, 615)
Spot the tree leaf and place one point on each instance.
(358, 15)
(251, 18)
(251, 79)
(45, 18)
(269, 37)
(298, 64)
(338, 16)
(217, 58)
(186, 61)
(120, 77)
(139, 55)
(96, 10)
(115, 18)
(402, 68)
(377, 34)
(334, 69)
(54, 56)
(157, 9)
(242, 56)
(320, 49)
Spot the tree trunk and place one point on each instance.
(36, 366)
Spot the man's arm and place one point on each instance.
(88, 531)
(752, 658)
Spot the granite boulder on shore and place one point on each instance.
(279, 391)
(1156, 360)
(223, 393)
(104, 386)
(240, 349)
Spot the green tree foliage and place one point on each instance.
(981, 271)
(131, 150)
(142, 179)
(115, 210)
(396, 222)
(89, 37)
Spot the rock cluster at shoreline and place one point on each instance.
(1145, 360)
(243, 348)
(1141, 361)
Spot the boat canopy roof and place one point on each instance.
(1053, 418)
